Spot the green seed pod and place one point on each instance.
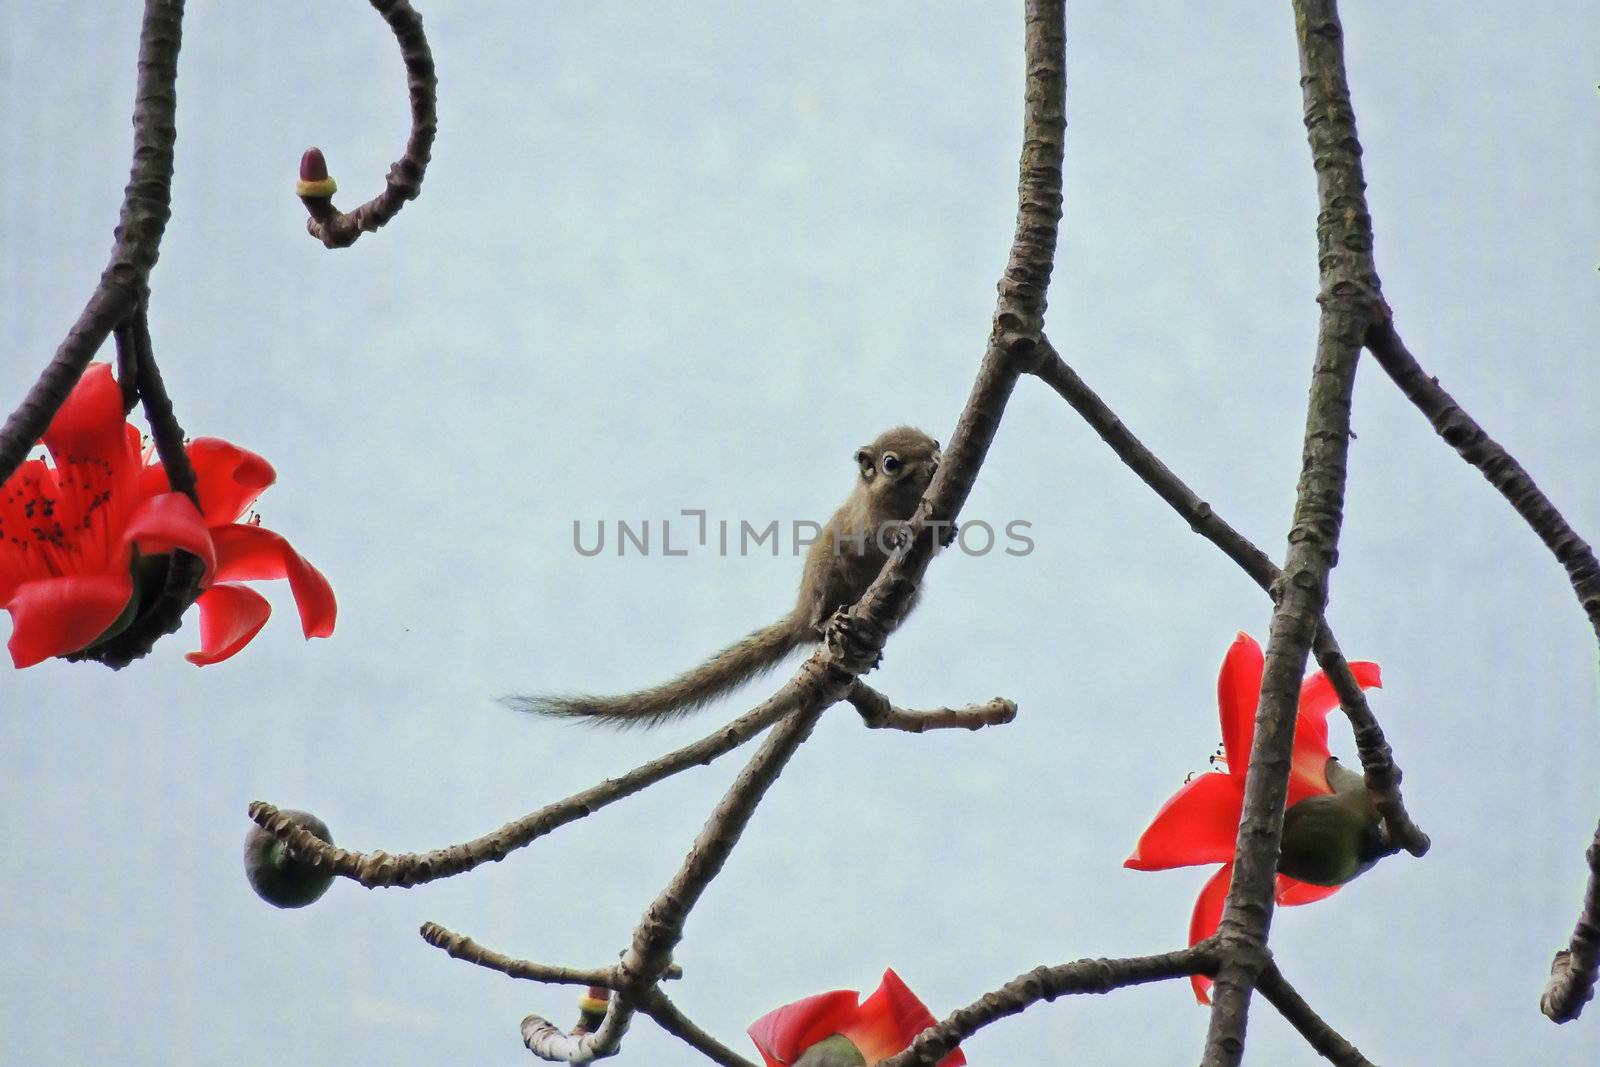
(277, 877)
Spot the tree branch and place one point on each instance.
(1573, 971)
(406, 869)
(1048, 983)
(459, 947)
(146, 206)
(1377, 758)
(877, 713)
(667, 1016)
(1323, 1038)
(1349, 298)
(661, 928)
(336, 229)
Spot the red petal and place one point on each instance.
(230, 617)
(245, 552)
(1200, 824)
(782, 1035)
(1207, 915)
(227, 478)
(1291, 892)
(55, 616)
(1317, 699)
(889, 1020)
(1238, 693)
(90, 425)
(163, 523)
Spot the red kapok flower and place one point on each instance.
(1200, 824)
(74, 530)
(878, 1027)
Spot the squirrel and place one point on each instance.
(893, 472)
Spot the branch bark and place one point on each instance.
(1350, 303)
(337, 229)
(1318, 1034)
(1377, 758)
(406, 869)
(1048, 983)
(146, 206)
(1574, 970)
(879, 713)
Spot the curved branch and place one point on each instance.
(146, 206)
(1048, 983)
(1014, 338)
(336, 229)
(406, 869)
(1327, 1041)
(661, 928)
(165, 430)
(666, 1015)
(1377, 758)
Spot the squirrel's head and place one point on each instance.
(898, 467)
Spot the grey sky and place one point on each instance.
(690, 255)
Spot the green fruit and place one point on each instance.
(277, 877)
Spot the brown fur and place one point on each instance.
(892, 474)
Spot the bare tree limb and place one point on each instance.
(146, 206)
(1323, 1038)
(666, 1015)
(460, 947)
(406, 869)
(1350, 304)
(164, 428)
(1574, 969)
(1377, 758)
(661, 928)
(1048, 983)
(336, 229)
(877, 713)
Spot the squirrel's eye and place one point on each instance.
(864, 461)
(891, 463)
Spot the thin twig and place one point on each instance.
(667, 1016)
(877, 713)
(661, 928)
(1462, 432)
(1048, 983)
(146, 206)
(1574, 969)
(337, 229)
(1377, 758)
(1292, 1006)
(164, 428)
(1350, 304)
(1013, 347)
(127, 364)
(460, 947)
(406, 869)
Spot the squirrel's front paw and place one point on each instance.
(855, 642)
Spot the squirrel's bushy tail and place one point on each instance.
(689, 691)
